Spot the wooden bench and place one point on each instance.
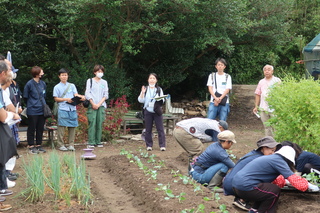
(169, 122)
(172, 110)
(49, 129)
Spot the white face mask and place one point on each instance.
(10, 74)
(14, 75)
(151, 85)
(99, 74)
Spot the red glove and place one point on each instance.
(298, 182)
(279, 181)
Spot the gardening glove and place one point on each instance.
(312, 188)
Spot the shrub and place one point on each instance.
(112, 125)
(82, 129)
(297, 112)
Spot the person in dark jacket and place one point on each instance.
(306, 162)
(266, 146)
(261, 180)
(213, 164)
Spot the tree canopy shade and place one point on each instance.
(177, 39)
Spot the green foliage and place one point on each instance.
(297, 112)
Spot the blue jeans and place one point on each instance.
(218, 111)
(209, 173)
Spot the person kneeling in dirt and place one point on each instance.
(306, 162)
(266, 146)
(192, 133)
(261, 180)
(213, 164)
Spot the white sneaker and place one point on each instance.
(149, 148)
(100, 145)
(90, 146)
(10, 183)
(163, 149)
(71, 148)
(63, 148)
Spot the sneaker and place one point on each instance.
(5, 192)
(90, 146)
(5, 207)
(71, 148)
(252, 210)
(63, 148)
(10, 183)
(163, 149)
(241, 204)
(2, 199)
(33, 150)
(40, 149)
(217, 189)
(149, 148)
(100, 145)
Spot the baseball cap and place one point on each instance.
(224, 124)
(267, 141)
(227, 135)
(287, 152)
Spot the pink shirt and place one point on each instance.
(263, 89)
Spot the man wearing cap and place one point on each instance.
(266, 146)
(213, 164)
(192, 133)
(261, 180)
(261, 93)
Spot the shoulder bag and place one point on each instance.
(86, 103)
(47, 113)
(55, 105)
(224, 100)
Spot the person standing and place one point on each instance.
(67, 113)
(219, 85)
(34, 94)
(192, 133)
(8, 147)
(261, 93)
(97, 92)
(147, 97)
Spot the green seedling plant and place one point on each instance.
(312, 178)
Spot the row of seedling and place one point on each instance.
(62, 176)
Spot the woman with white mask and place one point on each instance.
(153, 111)
(97, 93)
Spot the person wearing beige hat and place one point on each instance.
(260, 183)
(266, 146)
(213, 164)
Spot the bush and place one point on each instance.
(297, 112)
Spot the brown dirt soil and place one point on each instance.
(118, 185)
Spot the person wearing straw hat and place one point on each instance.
(260, 182)
(266, 146)
(213, 164)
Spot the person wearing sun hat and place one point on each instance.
(266, 146)
(261, 180)
(213, 164)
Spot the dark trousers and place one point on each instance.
(158, 120)
(3, 178)
(265, 197)
(35, 126)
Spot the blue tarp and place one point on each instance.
(313, 46)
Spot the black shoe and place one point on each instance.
(33, 150)
(40, 149)
(241, 204)
(12, 177)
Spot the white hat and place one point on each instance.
(287, 152)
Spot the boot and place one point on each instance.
(216, 181)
